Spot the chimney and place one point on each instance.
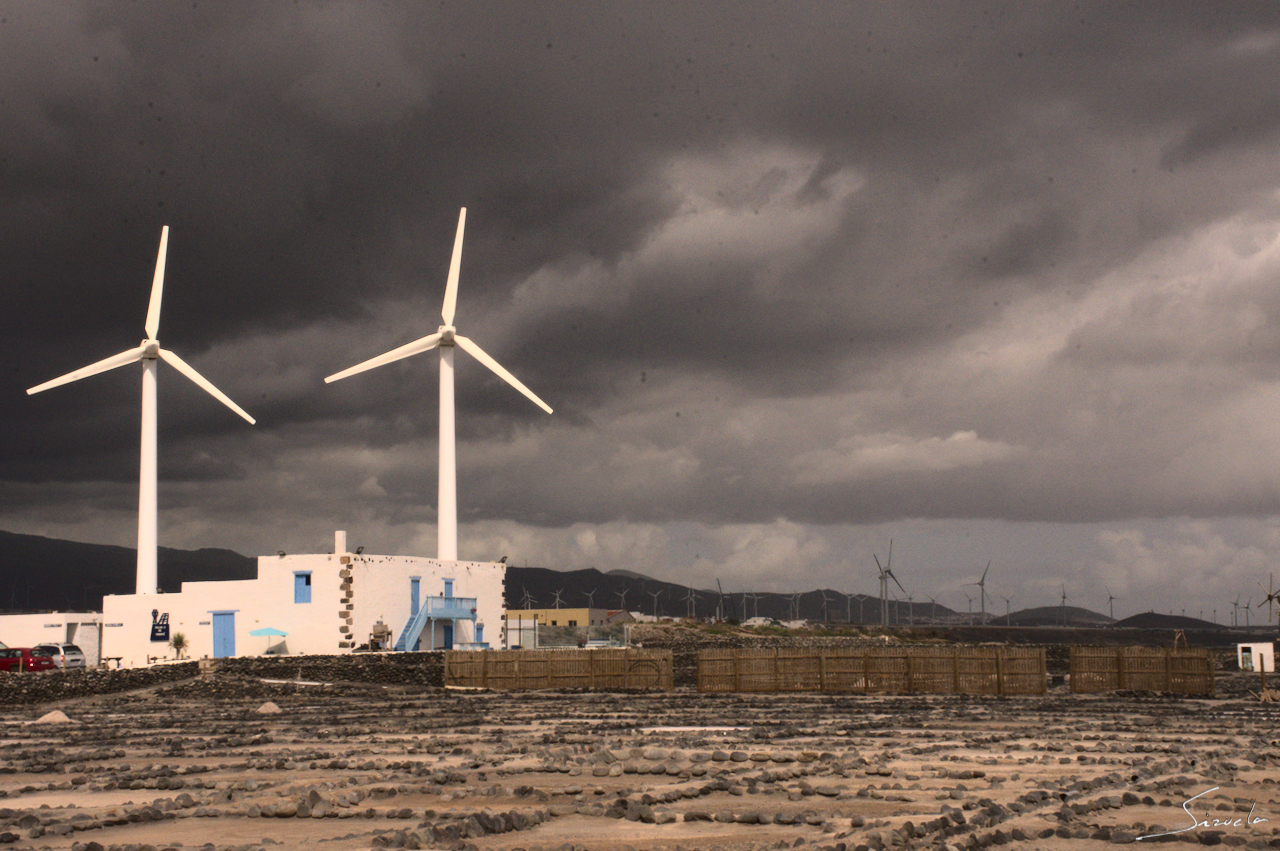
(339, 542)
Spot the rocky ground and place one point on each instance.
(235, 762)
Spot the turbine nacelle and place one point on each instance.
(447, 334)
(150, 350)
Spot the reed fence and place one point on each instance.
(518, 670)
(948, 670)
(1186, 670)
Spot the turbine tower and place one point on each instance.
(445, 339)
(148, 352)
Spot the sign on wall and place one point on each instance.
(159, 626)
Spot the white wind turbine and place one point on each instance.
(148, 352)
(445, 339)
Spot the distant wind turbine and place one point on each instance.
(148, 352)
(982, 587)
(445, 339)
(1272, 595)
(886, 573)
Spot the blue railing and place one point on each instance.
(436, 608)
(449, 608)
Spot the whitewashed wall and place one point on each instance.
(334, 621)
(79, 628)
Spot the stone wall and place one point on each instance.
(409, 669)
(50, 686)
(415, 669)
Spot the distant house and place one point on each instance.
(523, 624)
(329, 603)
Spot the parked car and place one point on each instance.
(63, 655)
(21, 659)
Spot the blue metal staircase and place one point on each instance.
(435, 608)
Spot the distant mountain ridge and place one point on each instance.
(44, 574)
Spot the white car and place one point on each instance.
(63, 655)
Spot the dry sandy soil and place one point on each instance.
(212, 762)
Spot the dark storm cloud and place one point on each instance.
(772, 264)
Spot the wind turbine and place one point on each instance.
(1271, 595)
(1007, 601)
(446, 339)
(886, 573)
(148, 352)
(1111, 603)
(557, 596)
(982, 587)
(1064, 605)
(591, 598)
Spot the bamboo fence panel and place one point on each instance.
(1022, 671)
(967, 670)
(1181, 670)
(518, 670)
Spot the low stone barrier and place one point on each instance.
(50, 686)
(415, 669)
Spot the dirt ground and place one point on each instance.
(243, 764)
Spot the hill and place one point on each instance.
(44, 574)
(1070, 616)
(1155, 620)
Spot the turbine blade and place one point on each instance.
(455, 266)
(878, 567)
(157, 287)
(203, 383)
(896, 582)
(984, 574)
(422, 344)
(92, 369)
(479, 354)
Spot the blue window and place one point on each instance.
(302, 587)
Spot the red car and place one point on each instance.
(21, 659)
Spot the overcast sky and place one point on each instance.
(999, 281)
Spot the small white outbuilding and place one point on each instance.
(1257, 657)
(330, 603)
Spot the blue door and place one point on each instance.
(415, 588)
(224, 634)
(448, 636)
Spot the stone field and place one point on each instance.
(238, 762)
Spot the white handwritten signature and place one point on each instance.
(1208, 822)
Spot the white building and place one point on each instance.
(83, 629)
(313, 604)
(1257, 657)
